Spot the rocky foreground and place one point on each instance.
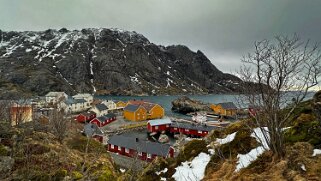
(105, 61)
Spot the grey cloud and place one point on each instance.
(223, 29)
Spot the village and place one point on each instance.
(136, 129)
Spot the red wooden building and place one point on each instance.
(191, 129)
(159, 125)
(86, 116)
(134, 147)
(104, 120)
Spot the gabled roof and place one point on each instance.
(110, 115)
(227, 105)
(89, 113)
(92, 129)
(140, 145)
(193, 127)
(117, 101)
(101, 118)
(148, 106)
(54, 94)
(101, 107)
(131, 107)
(157, 122)
(82, 95)
(74, 101)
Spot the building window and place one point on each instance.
(156, 127)
(140, 153)
(126, 150)
(119, 148)
(149, 155)
(112, 146)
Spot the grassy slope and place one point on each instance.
(38, 156)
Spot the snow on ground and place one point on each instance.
(122, 170)
(227, 139)
(194, 170)
(246, 159)
(162, 171)
(259, 136)
(316, 152)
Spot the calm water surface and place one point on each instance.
(166, 101)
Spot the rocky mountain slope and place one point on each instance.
(105, 61)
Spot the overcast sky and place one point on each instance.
(223, 29)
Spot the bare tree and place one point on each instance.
(277, 75)
(5, 117)
(59, 121)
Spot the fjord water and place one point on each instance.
(166, 101)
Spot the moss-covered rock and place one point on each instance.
(191, 150)
(305, 129)
(79, 143)
(76, 175)
(106, 175)
(59, 174)
(3, 150)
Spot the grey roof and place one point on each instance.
(140, 145)
(101, 107)
(54, 94)
(156, 122)
(110, 115)
(74, 101)
(101, 119)
(131, 107)
(228, 105)
(89, 113)
(193, 126)
(92, 129)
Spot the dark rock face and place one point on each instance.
(108, 61)
(186, 105)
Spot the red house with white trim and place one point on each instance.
(190, 129)
(86, 116)
(159, 125)
(134, 147)
(104, 120)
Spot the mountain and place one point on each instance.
(105, 61)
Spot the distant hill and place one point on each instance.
(105, 61)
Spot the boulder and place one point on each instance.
(186, 105)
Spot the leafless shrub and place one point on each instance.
(282, 70)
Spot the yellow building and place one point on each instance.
(224, 109)
(120, 104)
(135, 113)
(154, 111)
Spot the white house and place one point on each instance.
(110, 104)
(88, 97)
(54, 97)
(100, 109)
(75, 105)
